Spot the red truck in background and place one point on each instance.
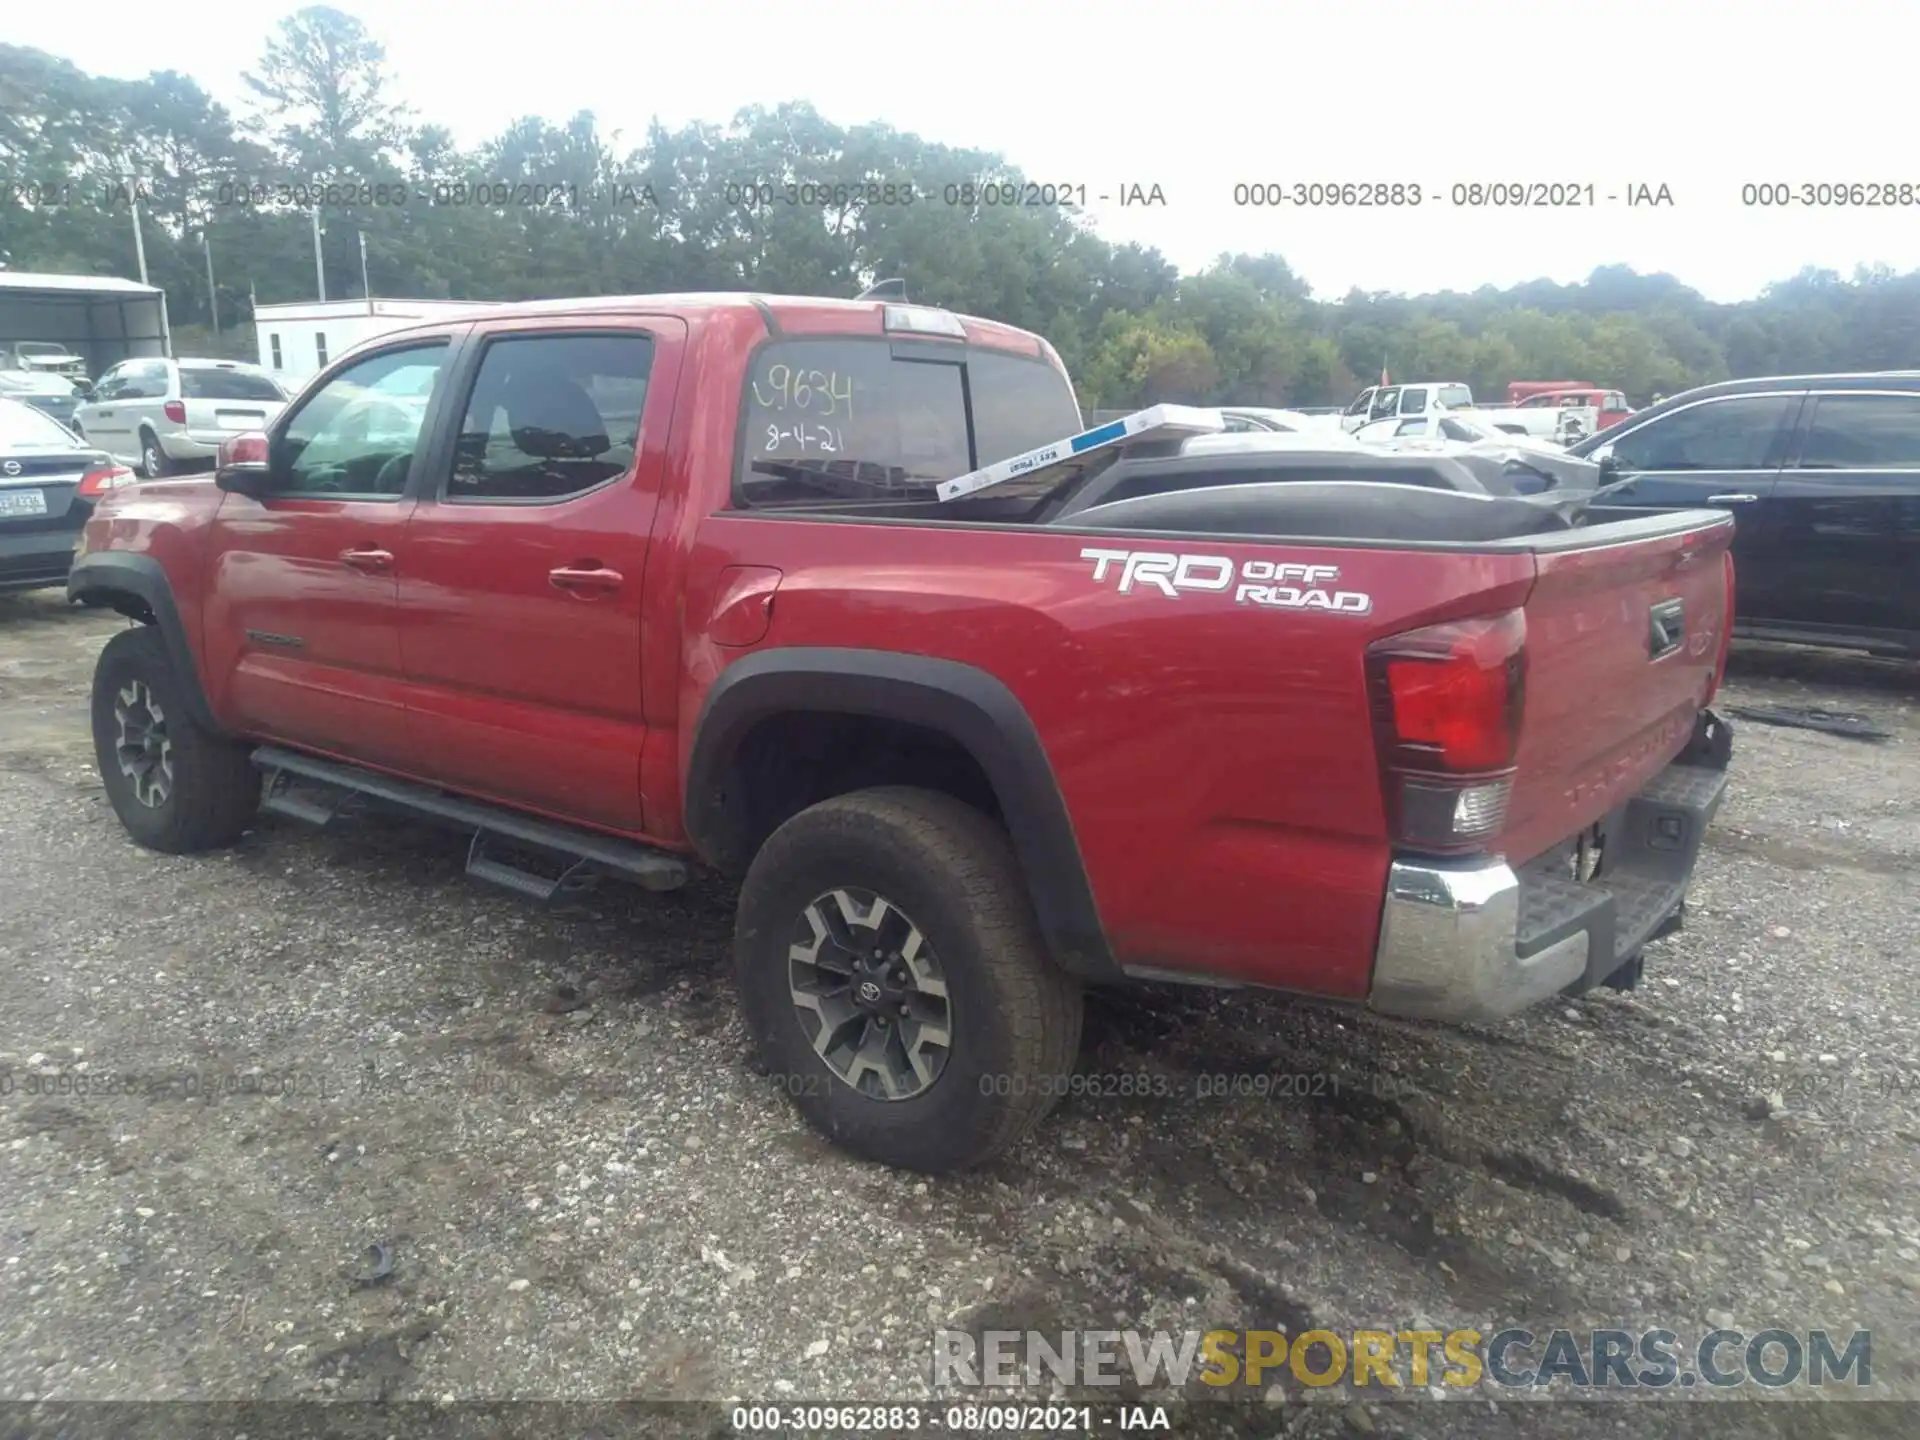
(1571, 394)
(623, 585)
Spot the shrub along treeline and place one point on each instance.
(587, 217)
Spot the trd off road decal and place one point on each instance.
(1256, 582)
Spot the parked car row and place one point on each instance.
(1822, 473)
(166, 416)
(49, 480)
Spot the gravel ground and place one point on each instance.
(549, 1121)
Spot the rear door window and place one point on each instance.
(1863, 432)
(551, 416)
(1738, 433)
(850, 420)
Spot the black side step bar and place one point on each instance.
(316, 791)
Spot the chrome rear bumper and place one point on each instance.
(1448, 946)
(1478, 941)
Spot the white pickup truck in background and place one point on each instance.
(1560, 424)
(1450, 428)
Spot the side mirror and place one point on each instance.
(242, 467)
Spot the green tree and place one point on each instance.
(322, 88)
(780, 199)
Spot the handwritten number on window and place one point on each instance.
(824, 438)
(826, 392)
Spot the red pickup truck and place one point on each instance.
(618, 586)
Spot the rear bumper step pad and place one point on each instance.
(1648, 856)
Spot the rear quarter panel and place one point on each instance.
(1216, 758)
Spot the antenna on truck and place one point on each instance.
(884, 290)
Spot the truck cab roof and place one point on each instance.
(781, 314)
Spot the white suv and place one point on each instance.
(165, 416)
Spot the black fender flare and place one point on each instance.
(962, 702)
(93, 577)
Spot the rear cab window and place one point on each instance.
(845, 421)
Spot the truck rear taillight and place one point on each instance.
(1726, 631)
(1447, 704)
(176, 411)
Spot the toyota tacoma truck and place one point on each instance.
(824, 595)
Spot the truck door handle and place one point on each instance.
(584, 578)
(1731, 499)
(373, 562)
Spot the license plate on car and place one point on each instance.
(22, 502)
(240, 420)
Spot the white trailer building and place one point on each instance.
(298, 341)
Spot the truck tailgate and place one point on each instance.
(1623, 646)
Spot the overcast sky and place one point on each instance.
(1200, 96)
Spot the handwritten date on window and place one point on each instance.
(826, 394)
(807, 439)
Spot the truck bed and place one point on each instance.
(1409, 513)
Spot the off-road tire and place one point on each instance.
(1015, 1015)
(215, 789)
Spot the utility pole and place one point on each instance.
(139, 241)
(213, 295)
(365, 288)
(319, 270)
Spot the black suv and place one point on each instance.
(1823, 472)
